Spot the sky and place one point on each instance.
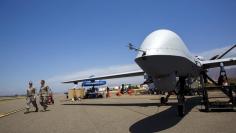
(52, 40)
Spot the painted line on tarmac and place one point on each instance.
(11, 112)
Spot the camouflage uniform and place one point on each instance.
(44, 92)
(31, 98)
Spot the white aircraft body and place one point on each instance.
(163, 56)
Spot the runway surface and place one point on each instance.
(116, 114)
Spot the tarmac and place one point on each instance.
(135, 114)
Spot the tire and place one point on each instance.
(163, 100)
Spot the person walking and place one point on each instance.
(43, 93)
(31, 97)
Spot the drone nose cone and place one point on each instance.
(161, 40)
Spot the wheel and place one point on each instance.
(163, 100)
(181, 110)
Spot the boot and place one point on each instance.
(45, 108)
(36, 110)
(27, 111)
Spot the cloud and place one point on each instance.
(218, 51)
(56, 80)
(96, 72)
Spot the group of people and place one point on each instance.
(31, 96)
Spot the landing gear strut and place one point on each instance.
(203, 80)
(180, 97)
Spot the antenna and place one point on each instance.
(131, 47)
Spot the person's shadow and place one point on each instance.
(163, 120)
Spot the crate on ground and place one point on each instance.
(76, 93)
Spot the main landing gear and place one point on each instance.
(163, 100)
(181, 98)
